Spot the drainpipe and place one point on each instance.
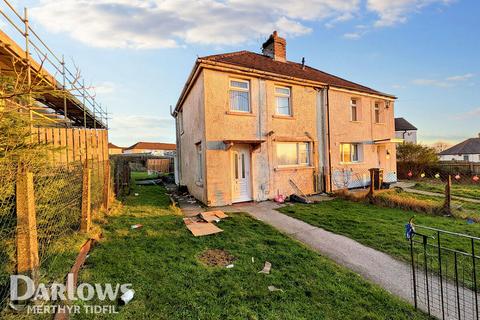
(329, 142)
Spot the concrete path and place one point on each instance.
(392, 275)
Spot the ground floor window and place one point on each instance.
(350, 152)
(293, 153)
(199, 163)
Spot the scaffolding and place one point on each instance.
(69, 102)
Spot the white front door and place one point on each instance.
(241, 182)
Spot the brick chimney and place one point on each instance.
(275, 47)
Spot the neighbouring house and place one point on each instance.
(468, 150)
(113, 149)
(251, 126)
(405, 130)
(154, 148)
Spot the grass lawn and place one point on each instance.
(161, 261)
(378, 227)
(460, 190)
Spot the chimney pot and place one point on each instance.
(275, 47)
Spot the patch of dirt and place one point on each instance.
(216, 258)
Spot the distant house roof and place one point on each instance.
(153, 146)
(261, 62)
(403, 125)
(112, 146)
(469, 146)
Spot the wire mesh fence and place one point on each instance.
(359, 178)
(57, 213)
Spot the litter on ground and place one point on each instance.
(273, 288)
(266, 268)
(200, 228)
(229, 266)
(201, 224)
(136, 226)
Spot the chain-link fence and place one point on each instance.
(37, 229)
(359, 178)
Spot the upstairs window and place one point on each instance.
(377, 112)
(282, 97)
(350, 152)
(354, 109)
(293, 153)
(240, 95)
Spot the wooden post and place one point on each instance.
(27, 241)
(106, 185)
(372, 182)
(86, 199)
(448, 196)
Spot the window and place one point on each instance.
(377, 112)
(354, 109)
(240, 95)
(199, 163)
(282, 97)
(293, 154)
(466, 157)
(350, 152)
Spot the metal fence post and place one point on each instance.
(86, 199)
(27, 241)
(425, 262)
(440, 273)
(413, 272)
(475, 278)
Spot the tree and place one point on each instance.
(441, 146)
(420, 154)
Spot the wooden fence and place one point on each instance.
(74, 144)
(160, 165)
(462, 166)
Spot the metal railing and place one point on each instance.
(445, 270)
(55, 64)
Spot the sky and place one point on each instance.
(138, 53)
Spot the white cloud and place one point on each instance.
(104, 87)
(444, 83)
(170, 23)
(394, 12)
(472, 114)
(125, 130)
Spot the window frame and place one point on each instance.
(299, 162)
(354, 105)
(283, 95)
(238, 89)
(355, 152)
(377, 117)
(199, 150)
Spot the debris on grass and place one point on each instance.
(253, 260)
(200, 228)
(201, 224)
(136, 194)
(136, 226)
(470, 221)
(126, 297)
(210, 216)
(217, 258)
(273, 289)
(266, 268)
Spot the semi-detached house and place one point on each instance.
(251, 126)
